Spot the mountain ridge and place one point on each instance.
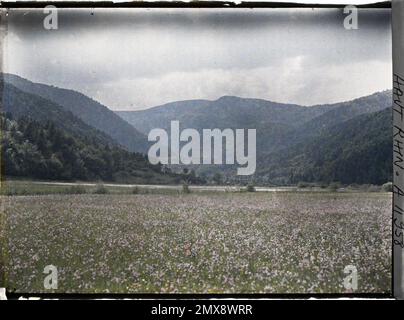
(386, 91)
(22, 104)
(289, 136)
(280, 127)
(171, 109)
(87, 109)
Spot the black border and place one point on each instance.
(190, 5)
(179, 4)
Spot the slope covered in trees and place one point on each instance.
(86, 109)
(349, 142)
(355, 151)
(22, 104)
(43, 151)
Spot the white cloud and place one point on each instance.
(288, 82)
(149, 58)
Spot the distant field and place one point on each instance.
(25, 187)
(275, 242)
(28, 187)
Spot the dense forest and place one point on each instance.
(43, 151)
(348, 142)
(357, 151)
(30, 98)
(58, 134)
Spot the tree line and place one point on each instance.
(43, 151)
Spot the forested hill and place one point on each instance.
(359, 150)
(54, 133)
(86, 109)
(22, 104)
(349, 142)
(43, 151)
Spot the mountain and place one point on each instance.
(42, 140)
(225, 112)
(88, 110)
(235, 112)
(41, 150)
(277, 124)
(349, 142)
(358, 150)
(288, 133)
(272, 120)
(21, 104)
(340, 112)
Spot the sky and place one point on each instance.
(132, 59)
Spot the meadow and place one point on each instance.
(218, 242)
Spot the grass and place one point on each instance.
(24, 188)
(286, 242)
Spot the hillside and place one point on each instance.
(278, 125)
(226, 112)
(88, 110)
(294, 143)
(355, 151)
(21, 104)
(235, 112)
(43, 151)
(349, 142)
(339, 113)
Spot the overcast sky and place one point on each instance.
(140, 58)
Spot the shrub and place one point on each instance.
(185, 188)
(302, 184)
(250, 188)
(323, 185)
(100, 189)
(387, 187)
(23, 192)
(354, 186)
(333, 186)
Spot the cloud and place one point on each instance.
(287, 82)
(141, 58)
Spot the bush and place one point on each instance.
(100, 189)
(354, 186)
(387, 187)
(77, 190)
(323, 185)
(333, 186)
(185, 188)
(250, 188)
(23, 192)
(302, 185)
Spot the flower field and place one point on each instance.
(223, 242)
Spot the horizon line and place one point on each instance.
(197, 99)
